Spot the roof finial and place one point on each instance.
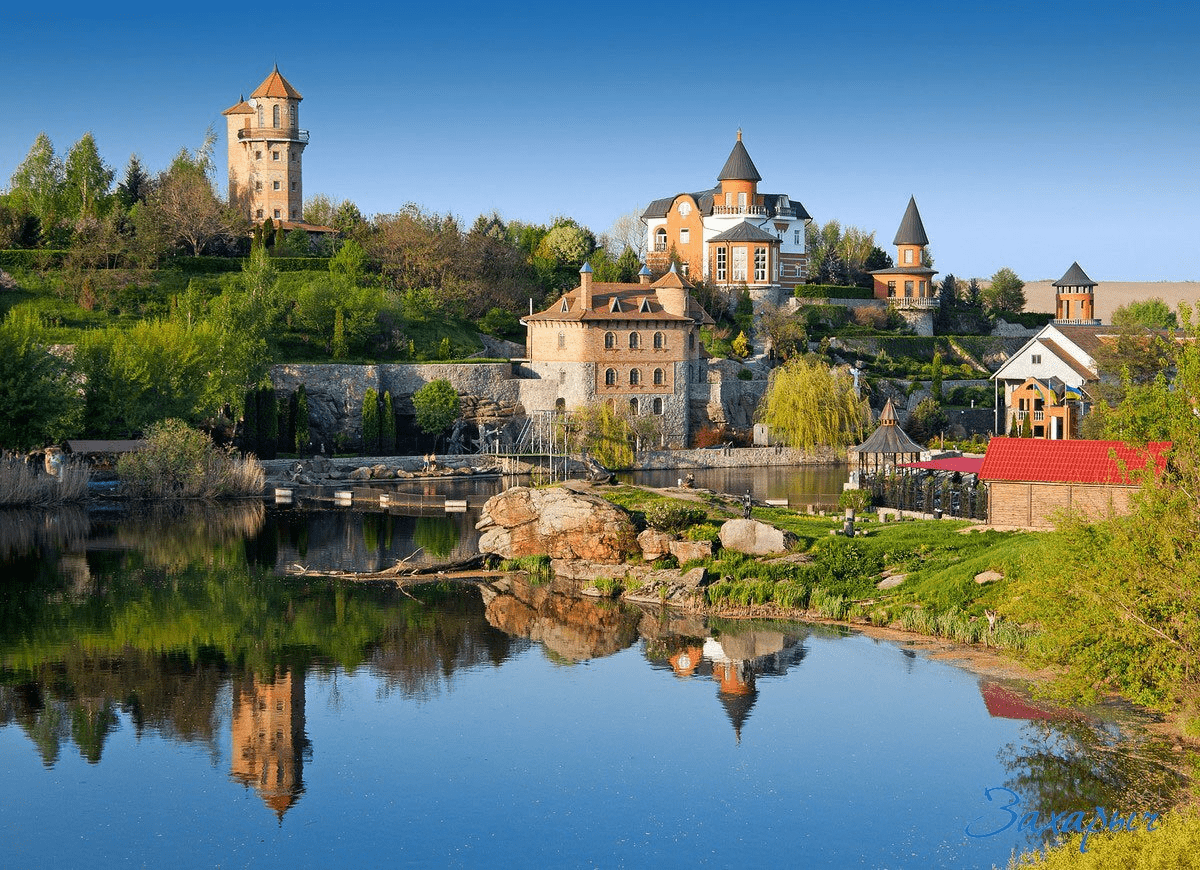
(739, 134)
(276, 64)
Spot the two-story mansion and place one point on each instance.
(731, 234)
(635, 346)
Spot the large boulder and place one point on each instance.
(755, 538)
(555, 522)
(654, 544)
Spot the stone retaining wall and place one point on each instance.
(737, 457)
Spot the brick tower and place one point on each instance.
(265, 149)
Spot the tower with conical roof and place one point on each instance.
(266, 146)
(909, 283)
(1074, 299)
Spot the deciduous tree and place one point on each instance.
(40, 402)
(811, 405)
(86, 180)
(1006, 293)
(437, 406)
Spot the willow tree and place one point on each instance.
(810, 405)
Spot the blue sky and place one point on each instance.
(1031, 134)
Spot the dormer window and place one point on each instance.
(644, 308)
(614, 307)
(565, 307)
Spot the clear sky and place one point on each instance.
(1031, 133)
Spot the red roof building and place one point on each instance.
(1029, 480)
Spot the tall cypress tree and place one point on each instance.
(301, 420)
(387, 426)
(370, 422)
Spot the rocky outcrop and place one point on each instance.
(556, 522)
(637, 583)
(755, 538)
(654, 544)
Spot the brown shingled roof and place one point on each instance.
(275, 85)
(1074, 364)
(240, 108)
(629, 297)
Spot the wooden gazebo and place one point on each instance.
(888, 447)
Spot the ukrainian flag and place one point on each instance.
(1073, 393)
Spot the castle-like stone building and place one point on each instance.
(266, 148)
(731, 235)
(636, 346)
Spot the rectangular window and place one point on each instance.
(728, 198)
(258, 155)
(276, 212)
(258, 214)
(258, 185)
(908, 289)
(796, 238)
(293, 214)
(760, 264)
(908, 256)
(275, 185)
(1037, 359)
(293, 185)
(274, 155)
(684, 236)
(292, 111)
(721, 264)
(742, 200)
(739, 264)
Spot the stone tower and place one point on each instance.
(1074, 298)
(266, 146)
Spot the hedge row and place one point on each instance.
(832, 291)
(32, 259)
(208, 265)
(1028, 319)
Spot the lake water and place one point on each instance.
(169, 698)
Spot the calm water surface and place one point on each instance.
(168, 697)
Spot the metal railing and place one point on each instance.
(740, 209)
(283, 134)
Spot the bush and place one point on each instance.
(32, 259)
(674, 517)
(181, 462)
(858, 500)
(832, 291)
(745, 375)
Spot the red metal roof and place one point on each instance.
(1035, 459)
(962, 464)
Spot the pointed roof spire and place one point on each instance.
(887, 417)
(912, 231)
(1075, 277)
(275, 85)
(586, 268)
(739, 166)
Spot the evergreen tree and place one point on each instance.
(1026, 426)
(370, 422)
(135, 186)
(935, 379)
(301, 418)
(268, 423)
(250, 422)
(287, 423)
(388, 426)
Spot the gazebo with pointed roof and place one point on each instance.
(888, 447)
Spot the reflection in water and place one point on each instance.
(185, 628)
(34, 532)
(268, 740)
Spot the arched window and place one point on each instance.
(635, 377)
(634, 340)
(660, 239)
(657, 406)
(691, 341)
(633, 408)
(610, 340)
(260, 114)
(610, 377)
(560, 405)
(660, 341)
(562, 340)
(275, 115)
(659, 377)
(294, 115)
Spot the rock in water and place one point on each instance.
(555, 522)
(755, 538)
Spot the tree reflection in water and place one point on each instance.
(1073, 764)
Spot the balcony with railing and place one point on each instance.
(915, 302)
(276, 134)
(1076, 322)
(759, 210)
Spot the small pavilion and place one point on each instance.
(888, 447)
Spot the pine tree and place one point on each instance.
(370, 422)
(268, 423)
(301, 420)
(388, 426)
(935, 379)
(1026, 427)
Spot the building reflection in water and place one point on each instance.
(734, 661)
(268, 740)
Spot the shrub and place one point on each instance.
(674, 518)
(181, 462)
(745, 375)
(858, 500)
(301, 419)
(370, 422)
